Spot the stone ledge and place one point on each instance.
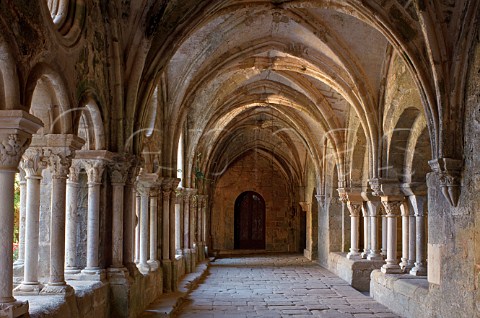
(354, 272)
(404, 294)
(167, 304)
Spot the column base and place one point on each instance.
(93, 274)
(143, 268)
(154, 265)
(132, 269)
(375, 257)
(193, 259)
(391, 269)
(364, 255)
(117, 275)
(418, 271)
(63, 289)
(72, 270)
(354, 255)
(167, 275)
(26, 289)
(14, 309)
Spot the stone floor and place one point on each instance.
(276, 286)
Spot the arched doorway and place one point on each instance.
(249, 221)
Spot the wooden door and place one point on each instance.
(250, 221)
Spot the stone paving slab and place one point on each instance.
(276, 286)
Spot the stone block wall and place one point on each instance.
(256, 173)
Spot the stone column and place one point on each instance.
(94, 168)
(193, 230)
(384, 235)
(392, 209)
(23, 206)
(144, 182)
(179, 220)
(355, 210)
(166, 261)
(419, 204)
(374, 208)
(138, 209)
(34, 164)
(412, 233)
(59, 160)
(404, 212)
(16, 129)
(71, 222)
(153, 257)
(173, 198)
(186, 230)
(366, 232)
(118, 175)
(129, 225)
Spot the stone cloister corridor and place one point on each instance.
(140, 139)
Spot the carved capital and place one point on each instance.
(119, 169)
(449, 174)
(145, 182)
(392, 208)
(59, 165)
(11, 149)
(74, 171)
(355, 208)
(34, 162)
(94, 169)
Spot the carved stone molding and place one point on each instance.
(355, 208)
(392, 208)
(94, 169)
(145, 182)
(74, 171)
(119, 169)
(34, 162)
(449, 174)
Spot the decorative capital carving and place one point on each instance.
(34, 162)
(11, 149)
(355, 208)
(145, 182)
(320, 198)
(392, 208)
(59, 160)
(449, 173)
(119, 169)
(74, 171)
(94, 169)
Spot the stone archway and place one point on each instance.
(250, 221)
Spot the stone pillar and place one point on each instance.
(193, 231)
(384, 235)
(94, 169)
(144, 182)
(138, 209)
(366, 232)
(71, 222)
(392, 209)
(179, 221)
(16, 129)
(173, 198)
(374, 208)
(23, 206)
(186, 230)
(405, 213)
(412, 233)
(355, 210)
(130, 218)
(118, 176)
(419, 204)
(153, 261)
(59, 160)
(166, 261)
(34, 164)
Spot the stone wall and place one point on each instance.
(256, 173)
